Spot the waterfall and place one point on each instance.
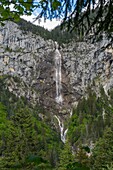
(71, 113)
(103, 114)
(58, 77)
(63, 132)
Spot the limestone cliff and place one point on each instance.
(31, 58)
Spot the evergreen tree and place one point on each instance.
(5, 126)
(66, 157)
(22, 140)
(102, 154)
(81, 156)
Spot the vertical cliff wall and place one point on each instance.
(31, 58)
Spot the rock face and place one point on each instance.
(87, 65)
(30, 57)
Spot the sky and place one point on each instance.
(47, 25)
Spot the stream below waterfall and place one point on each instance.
(63, 132)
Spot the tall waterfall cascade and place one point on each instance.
(58, 75)
(63, 132)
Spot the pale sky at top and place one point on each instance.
(47, 24)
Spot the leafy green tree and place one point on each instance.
(19, 8)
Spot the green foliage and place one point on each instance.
(61, 36)
(71, 161)
(27, 26)
(92, 121)
(25, 141)
(90, 118)
(4, 126)
(19, 8)
(108, 167)
(66, 157)
(76, 166)
(102, 154)
(56, 4)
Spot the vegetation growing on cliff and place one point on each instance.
(92, 123)
(28, 142)
(61, 36)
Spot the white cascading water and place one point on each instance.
(58, 77)
(62, 131)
